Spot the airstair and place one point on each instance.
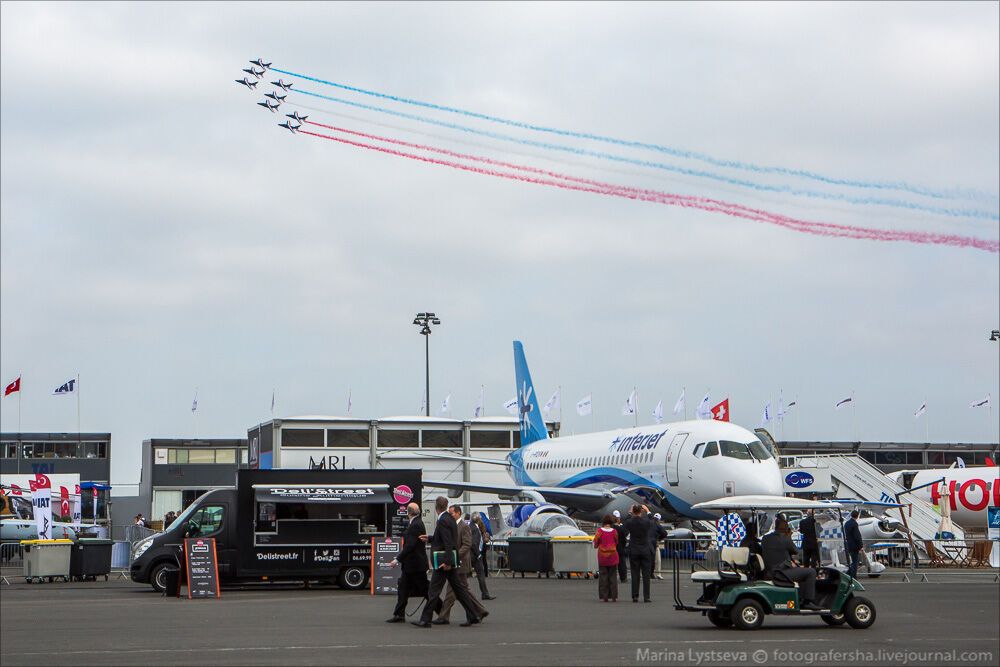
(857, 478)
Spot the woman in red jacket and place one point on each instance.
(606, 543)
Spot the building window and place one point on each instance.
(516, 439)
(94, 450)
(301, 437)
(392, 439)
(489, 439)
(177, 456)
(196, 455)
(244, 456)
(8, 450)
(441, 439)
(225, 456)
(64, 450)
(347, 437)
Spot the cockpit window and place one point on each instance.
(735, 450)
(698, 448)
(759, 451)
(711, 449)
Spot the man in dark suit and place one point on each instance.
(855, 545)
(656, 533)
(779, 563)
(810, 542)
(640, 554)
(622, 552)
(413, 559)
(479, 555)
(464, 570)
(445, 541)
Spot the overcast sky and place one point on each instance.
(159, 234)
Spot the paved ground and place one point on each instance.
(531, 622)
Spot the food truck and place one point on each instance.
(288, 525)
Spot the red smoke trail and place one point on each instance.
(567, 182)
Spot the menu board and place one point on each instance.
(202, 567)
(400, 520)
(385, 577)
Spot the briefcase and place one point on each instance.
(449, 557)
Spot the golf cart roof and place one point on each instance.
(777, 503)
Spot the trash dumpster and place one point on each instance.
(46, 559)
(90, 558)
(574, 555)
(530, 553)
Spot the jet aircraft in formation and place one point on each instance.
(261, 64)
(296, 117)
(270, 106)
(281, 84)
(249, 84)
(288, 126)
(256, 73)
(277, 98)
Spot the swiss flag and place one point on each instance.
(721, 411)
(12, 387)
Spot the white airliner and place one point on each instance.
(668, 467)
(972, 490)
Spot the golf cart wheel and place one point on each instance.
(719, 619)
(353, 578)
(860, 613)
(747, 614)
(834, 619)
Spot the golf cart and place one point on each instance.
(737, 594)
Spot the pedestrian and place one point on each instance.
(168, 519)
(606, 543)
(622, 551)
(810, 542)
(462, 574)
(140, 521)
(639, 553)
(444, 547)
(779, 562)
(487, 538)
(479, 555)
(855, 544)
(413, 560)
(656, 533)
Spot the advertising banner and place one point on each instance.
(384, 577)
(41, 505)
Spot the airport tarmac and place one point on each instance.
(546, 621)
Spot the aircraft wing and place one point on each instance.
(586, 500)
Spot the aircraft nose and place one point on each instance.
(765, 482)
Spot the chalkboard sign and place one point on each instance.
(202, 567)
(384, 576)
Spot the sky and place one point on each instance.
(160, 236)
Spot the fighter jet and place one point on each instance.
(277, 98)
(267, 104)
(281, 84)
(288, 126)
(249, 84)
(296, 117)
(260, 63)
(258, 74)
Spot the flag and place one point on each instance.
(658, 412)
(551, 404)
(41, 505)
(67, 388)
(272, 401)
(783, 410)
(511, 406)
(194, 403)
(446, 404)
(921, 410)
(77, 506)
(12, 387)
(985, 402)
(584, 406)
(703, 411)
(349, 402)
(844, 402)
(720, 412)
(629, 407)
(765, 419)
(481, 403)
(959, 462)
(679, 405)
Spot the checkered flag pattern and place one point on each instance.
(730, 530)
(831, 530)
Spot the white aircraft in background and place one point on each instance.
(972, 490)
(667, 467)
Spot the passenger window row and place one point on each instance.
(590, 462)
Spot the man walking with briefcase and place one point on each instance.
(444, 558)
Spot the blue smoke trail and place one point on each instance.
(762, 187)
(675, 152)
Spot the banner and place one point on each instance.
(41, 505)
(77, 504)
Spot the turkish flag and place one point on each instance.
(720, 412)
(12, 387)
(42, 481)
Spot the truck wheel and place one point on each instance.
(353, 578)
(860, 613)
(720, 620)
(158, 577)
(834, 619)
(747, 614)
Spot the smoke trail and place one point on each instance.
(701, 203)
(784, 189)
(674, 152)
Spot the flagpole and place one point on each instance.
(593, 427)
(635, 408)
(79, 437)
(19, 392)
(684, 394)
(854, 412)
(927, 424)
(559, 389)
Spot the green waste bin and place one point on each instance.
(90, 558)
(530, 553)
(46, 559)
